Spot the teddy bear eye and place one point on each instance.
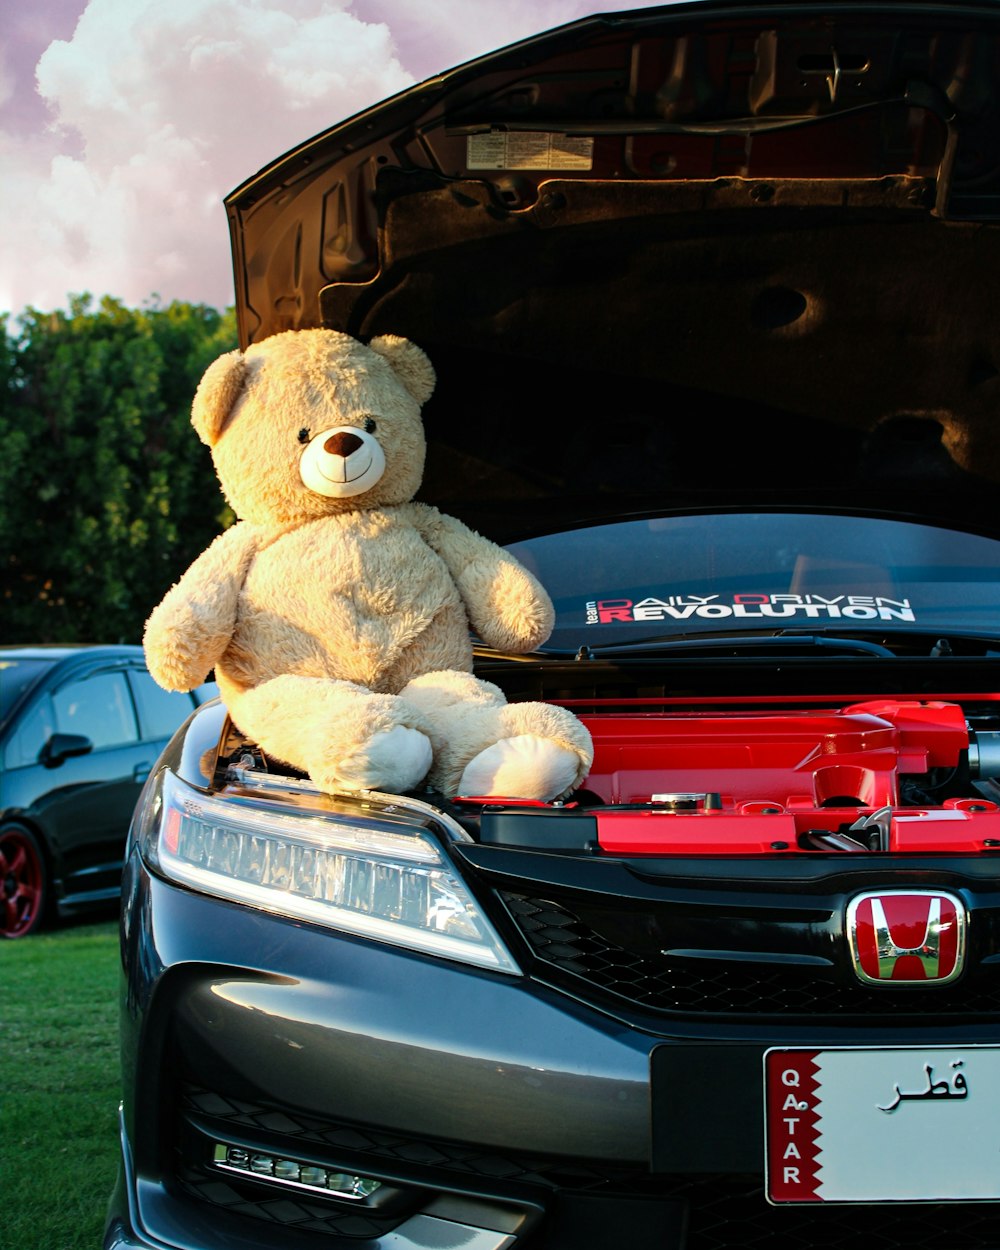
(370, 426)
(303, 436)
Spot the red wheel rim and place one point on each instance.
(21, 880)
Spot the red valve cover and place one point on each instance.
(769, 782)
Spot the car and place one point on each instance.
(80, 730)
(710, 292)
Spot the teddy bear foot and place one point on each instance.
(394, 759)
(525, 766)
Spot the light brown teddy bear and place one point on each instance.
(336, 611)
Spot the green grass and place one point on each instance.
(60, 1091)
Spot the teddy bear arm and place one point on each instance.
(189, 630)
(507, 605)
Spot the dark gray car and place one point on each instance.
(711, 294)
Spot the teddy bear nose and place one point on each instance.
(342, 443)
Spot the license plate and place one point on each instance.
(907, 1124)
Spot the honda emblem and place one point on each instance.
(913, 937)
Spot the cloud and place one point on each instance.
(6, 79)
(439, 34)
(157, 110)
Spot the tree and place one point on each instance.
(106, 494)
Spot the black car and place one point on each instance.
(80, 730)
(710, 292)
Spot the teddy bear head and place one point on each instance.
(310, 422)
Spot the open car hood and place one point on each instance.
(679, 257)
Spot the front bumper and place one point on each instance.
(495, 1111)
(444, 1081)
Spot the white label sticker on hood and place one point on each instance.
(749, 607)
(528, 149)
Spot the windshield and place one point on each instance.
(738, 572)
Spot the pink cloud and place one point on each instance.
(146, 114)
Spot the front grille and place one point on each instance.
(280, 1209)
(723, 1215)
(723, 1211)
(206, 1116)
(418, 1158)
(564, 936)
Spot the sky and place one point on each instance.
(124, 123)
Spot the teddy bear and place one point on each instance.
(336, 611)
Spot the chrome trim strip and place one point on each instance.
(269, 783)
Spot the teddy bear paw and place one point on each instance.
(524, 767)
(393, 760)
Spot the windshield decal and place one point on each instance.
(749, 607)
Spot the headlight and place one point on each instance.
(363, 878)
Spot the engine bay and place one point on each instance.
(761, 778)
(892, 776)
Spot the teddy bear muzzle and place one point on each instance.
(342, 462)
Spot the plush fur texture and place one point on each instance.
(336, 611)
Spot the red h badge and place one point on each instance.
(906, 937)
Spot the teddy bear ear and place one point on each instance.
(217, 392)
(410, 364)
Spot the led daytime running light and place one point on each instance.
(293, 1173)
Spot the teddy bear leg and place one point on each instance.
(436, 694)
(344, 736)
(523, 767)
(536, 751)
(483, 745)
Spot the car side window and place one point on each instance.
(160, 711)
(36, 727)
(100, 707)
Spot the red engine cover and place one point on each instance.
(766, 781)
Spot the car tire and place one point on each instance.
(24, 885)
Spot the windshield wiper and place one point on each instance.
(906, 643)
(735, 642)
